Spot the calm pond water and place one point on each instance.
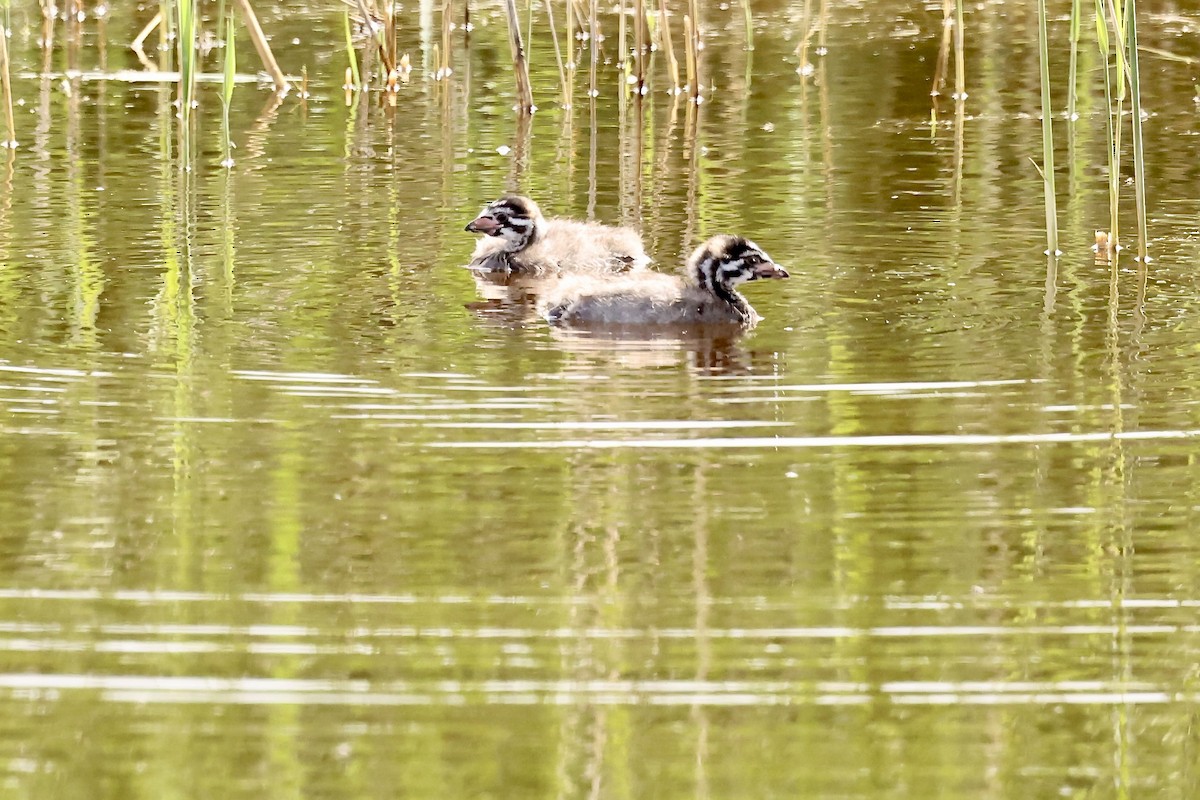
(289, 508)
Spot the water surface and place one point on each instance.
(290, 509)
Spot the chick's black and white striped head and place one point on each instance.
(515, 219)
(724, 261)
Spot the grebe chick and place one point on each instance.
(715, 269)
(517, 238)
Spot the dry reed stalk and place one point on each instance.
(943, 59)
(1047, 135)
(809, 27)
(748, 21)
(444, 70)
(960, 62)
(672, 62)
(263, 46)
(520, 65)
(11, 141)
(622, 46)
(562, 73)
(640, 39)
(138, 41)
(569, 86)
(1135, 102)
(696, 45)
(823, 26)
(689, 43)
(594, 45)
(392, 44)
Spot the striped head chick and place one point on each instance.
(723, 262)
(515, 219)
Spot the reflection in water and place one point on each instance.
(713, 350)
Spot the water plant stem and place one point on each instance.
(622, 46)
(1047, 135)
(639, 16)
(1135, 102)
(520, 65)
(447, 15)
(187, 56)
(665, 27)
(695, 40)
(594, 46)
(689, 44)
(562, 72)
(355, 77)
(748, 20)
(262, 46)
(1073, 69)
(569, 85)
(1112, 105)
(960, 60)
(6, 80)
(227, 90)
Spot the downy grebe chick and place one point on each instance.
(650, 298)
(519, 239)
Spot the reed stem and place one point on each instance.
(227, 90)
(444, 70)
(748, 20)
(520, 65)
(672, 62)
(1047, 135)
(187, 56)
(943, 59)
(351, 55)
(562, 72)
(639, 15)
(137, 45)
(594, 46)
(1073, 69)
(622, 46)
(263, 46)
(6, 79)
(1135, 102)
(695, 40)
(1112, 107)
(689, 44)
(569, 84)
(960, 59)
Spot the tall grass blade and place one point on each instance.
(1135, 100)
(569, 86)
(748, 21)
(227, 90)
(1047, 135)
(1073, 69)
(1112, 128)
(960, 60)
(6, 80)
(187, 56)
(350, 52)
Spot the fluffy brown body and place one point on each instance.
(565, 246)
(519, 239)
(655, 299)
